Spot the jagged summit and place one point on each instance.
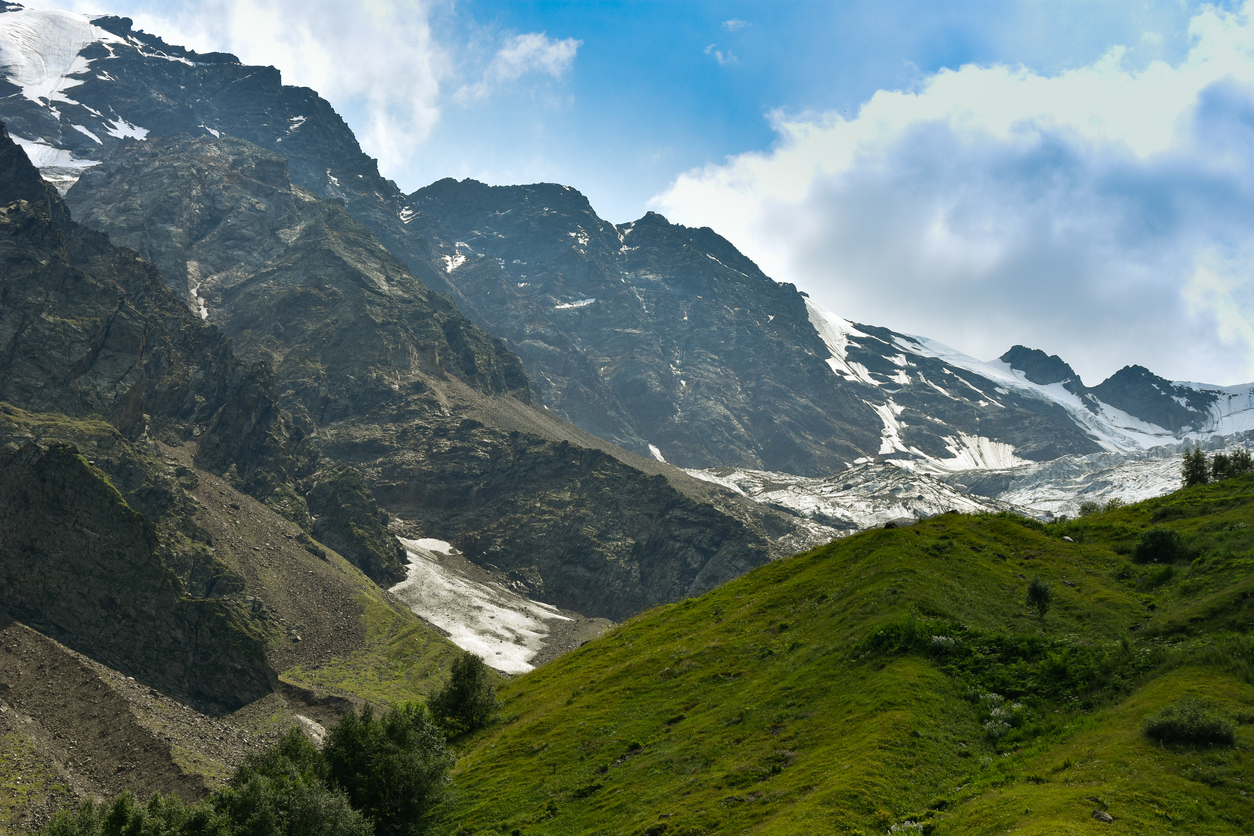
(1039, 367)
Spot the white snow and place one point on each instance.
(452, 262)
(43, 155)
(39, 51)
(890, 437)
(217, 135)
(581, 303)
(835, 333)
(657, 454)
(406, 215)
(864, 496)
(122, 129)
(500, 625)
(295, 122)
(83, 130)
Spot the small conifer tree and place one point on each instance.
(1240, 462)
(1220, 467)
(1196, 470)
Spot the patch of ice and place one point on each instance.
(122, 129)
(835, 333)
(88, 133)
(39, 51)
(500, 625)
(42, 155)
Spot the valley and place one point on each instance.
(279, 443)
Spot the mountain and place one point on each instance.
(898, 681)
(662, 339)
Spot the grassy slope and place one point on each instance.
(810, 697)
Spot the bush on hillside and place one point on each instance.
(1040, 596)
(1190, 722)
(1160, 545)
(468, 700)
(393, 767)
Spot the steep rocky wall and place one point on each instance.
(77, 563)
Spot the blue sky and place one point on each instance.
(1074, 176)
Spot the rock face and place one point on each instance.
(81, 566)
(648, 333)
(389, 378)
(654, 336)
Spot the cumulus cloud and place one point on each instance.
(526, 54)
(378, 58)
(1101, 213)
(735, 24)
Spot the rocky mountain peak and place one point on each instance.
(1039, 367)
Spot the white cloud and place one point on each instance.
(525, 54)
(723, 58)
(735, 24)
(377, 57)
(1099, 213)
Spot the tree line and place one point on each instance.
(376, 775)
(1198, 470)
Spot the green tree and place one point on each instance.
(1220, 467)
(393, 767)
(468, 700)
(1240, 462)
(1160, 545)
(1040, 596)
(1196, 470)
(284, 791)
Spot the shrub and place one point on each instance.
(468, 700)
(1190, 722)
(1160, 545)
(1089, 508)
(1040, 596)
(393, 767)
(1240, 462)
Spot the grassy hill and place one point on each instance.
(898, 679)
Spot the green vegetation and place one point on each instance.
(403, 658)
(1190, 722)
(1040, 596)
(377, 775)
(1197, 471)
(468, 701)
(901, 678)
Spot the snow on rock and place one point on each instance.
(122, 129)
(503, 627)
(865, 496)
(657, 454)
(56, 165)
(39, 51)
(452, 262)
(580, 303)
(835, 333)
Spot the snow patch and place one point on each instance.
(452, 262)
(503, 627)
(657, 454)
(835, 333)
(88, 133)
(39, 51)
(122, 129)
(581, 303)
